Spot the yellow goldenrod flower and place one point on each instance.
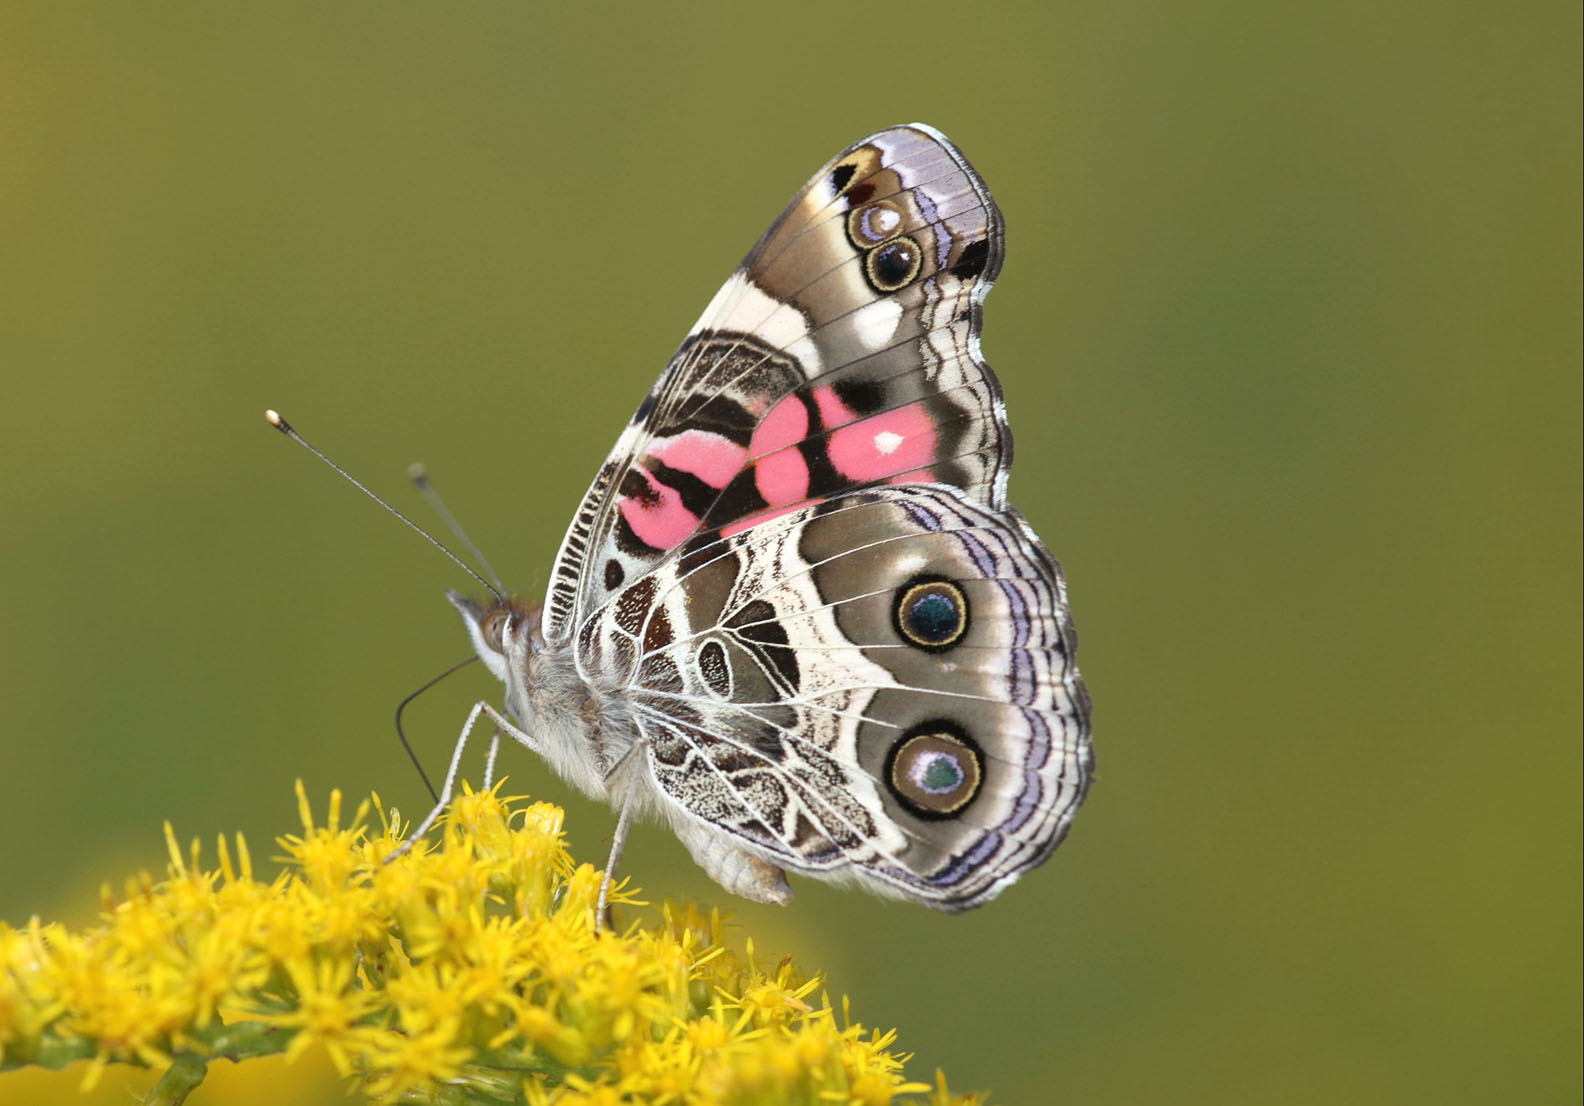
(463, 972)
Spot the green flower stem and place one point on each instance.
(53, 1054)
(183, 1077)
(244, 1040)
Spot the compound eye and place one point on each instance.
(494, 630)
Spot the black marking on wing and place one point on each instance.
(633, 607)
(973, 260)
(755, 625)
(657, 631)
(864, 396)
(713, 667)
(697, 496)
(738, 499)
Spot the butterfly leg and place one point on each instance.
(501, 723)
(618, 842)
(489, 761)
(613, 778)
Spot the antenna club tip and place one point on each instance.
(418, 473)
(273, 417)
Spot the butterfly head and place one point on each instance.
(504, 633)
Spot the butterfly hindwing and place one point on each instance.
(843, 352)
(881, 686)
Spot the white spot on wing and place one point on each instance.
(887, 441)
(877, 322)
(741, 305)
(723, 304)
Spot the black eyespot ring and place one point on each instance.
(935, 769)
(931, 613)
(894, 265)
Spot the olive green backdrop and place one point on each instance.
(1290, 334)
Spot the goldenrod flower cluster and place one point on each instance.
(464, 972)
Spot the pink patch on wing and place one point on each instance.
(762, 517)
(712, 458)
(780, 473)
(881, 446)
(663, 523)
(832, 411)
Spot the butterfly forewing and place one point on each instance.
(843, 352)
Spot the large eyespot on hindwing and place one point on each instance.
(893, 266)
(930, 613)
(934, 769)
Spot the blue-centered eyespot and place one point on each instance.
(934, 770)
(931, 613)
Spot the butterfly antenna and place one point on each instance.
(420, 478)
(401, 733)
(285, 428)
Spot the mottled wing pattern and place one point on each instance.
(843, 352)
(879, 686)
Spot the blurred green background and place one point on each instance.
(1290, 334)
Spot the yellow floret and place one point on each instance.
(469, 968)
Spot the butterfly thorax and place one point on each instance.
(579, 729)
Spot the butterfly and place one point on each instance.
(794, 616)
